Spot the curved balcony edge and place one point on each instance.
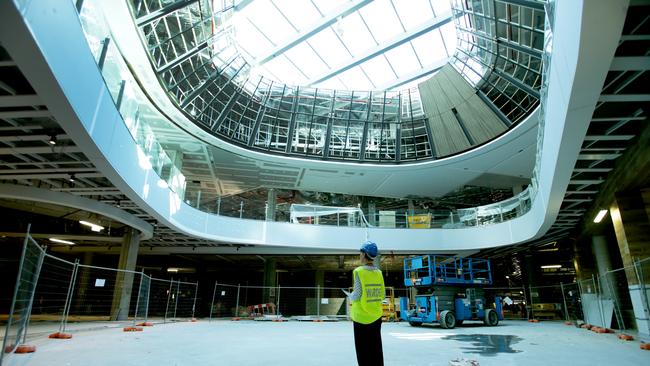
(84, 108)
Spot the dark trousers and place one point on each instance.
(367, 341)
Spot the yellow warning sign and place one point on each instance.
(420, 221)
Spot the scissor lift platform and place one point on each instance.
(431, 270)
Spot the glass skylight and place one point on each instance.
(345, 44)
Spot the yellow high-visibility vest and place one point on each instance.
(368, 308)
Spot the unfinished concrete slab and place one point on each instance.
(320, 343)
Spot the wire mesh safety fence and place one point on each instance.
(546, 302)
(171, 300)
(616, 306)
(258, 302)
(513, 300)
(29, 268)
(105, 294)
(184, 300)
(325, 303)
(53, 295)
(615, 299)
(141, 306)
(572, 302)
(600, 300)
(640, 294)
(225, 300)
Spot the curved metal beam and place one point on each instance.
(69, 200)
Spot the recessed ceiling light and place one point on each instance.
(549, 250)
(552, 266)
(599, 217)
(61, 241)
(94, 227)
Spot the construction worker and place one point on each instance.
(366, 311)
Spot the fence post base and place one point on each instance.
(25, 348)
(132, 329)
(60, 335)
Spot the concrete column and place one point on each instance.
(270, 205)
(372, 214)
(528, 269)
(83, 281)
(630, 217)
(601, 254)
(124, 280)
(270, 280)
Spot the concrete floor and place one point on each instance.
(307, 343)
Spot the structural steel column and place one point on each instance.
(124, 281)
(372, 214)
(270, 205)
(630, 213)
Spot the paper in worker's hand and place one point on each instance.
(347, 293)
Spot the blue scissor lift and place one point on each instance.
(455, 291)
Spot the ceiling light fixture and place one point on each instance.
(52, 140)
(94, 227)
(61, 241)
(549, 250)
(599, 217)
(552, 266)
(72, 178)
